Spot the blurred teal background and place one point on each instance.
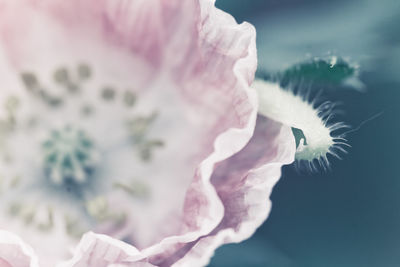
(349, 216)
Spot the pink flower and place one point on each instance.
(134, 120)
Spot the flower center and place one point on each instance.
(69, 156)
(89, 141)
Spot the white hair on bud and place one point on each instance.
(296, 111)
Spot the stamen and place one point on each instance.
(129, 99)
(12, 104)
(15, 209)
(61, 76)
(28, 213)
(108, 93)
(30, 81)
(87, 110)
(134, 189)
(147, 147)
(45, 218)
(98, 208)
(84, 71)
(15, 181)
(52, 101)
(73, 87)
(72, 227)
(138, 128)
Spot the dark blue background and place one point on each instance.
(351, 215)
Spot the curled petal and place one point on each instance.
(220, 187)
(14, 252)
(244, 183)
(219, 64)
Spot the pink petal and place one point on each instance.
(211, 60)
(15, 253)
(244, 183)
